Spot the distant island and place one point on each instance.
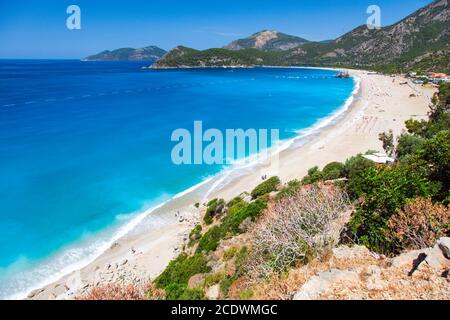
(150, 53)
(418, 42)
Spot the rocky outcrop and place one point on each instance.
(360, 274)
(267, 40)
(322, 283)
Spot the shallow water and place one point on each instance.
(85, 146)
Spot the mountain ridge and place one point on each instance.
(149, 53)
(421, 39)
(267, 40)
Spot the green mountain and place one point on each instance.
(416, 37)
(267, 41)
(150, 53)
(182, 57)
(419, 41)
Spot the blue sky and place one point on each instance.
(37, 28)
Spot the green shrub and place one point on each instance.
(213, 208)
(181, 269)
(354, 170)
(291, 187)
(193, 294)
(240, 262)
(436, 157)
(195, 235)
(385, 190)
(210, 240)
(333, 170)
(234, 201)
(246, 294)
(174, 291)
(408, 145)
(314, 175)
(266, 187)
(229, 254)
(241, 211)
(214, 278)
(226, 283)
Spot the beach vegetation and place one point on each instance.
(354, 170)
(240, 262)
(234, 201)
(213, 208)
(210, 239)
(333, 170)
(175, 277)
(229, 254)
(240, 212)
(384, 191)
(296, 229)
(419, 224)
(387, 138)
(266, 187)
(195, 235)
(289, 189)
(213, 278)
(314, 175)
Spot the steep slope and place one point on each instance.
(419, 41)
(267, 41)
(187, 57)
(426, 30)
(150, 53)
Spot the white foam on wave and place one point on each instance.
(238, 167)
(81, 256)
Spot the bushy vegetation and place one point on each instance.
(175, 277)
(297, 228)
(385, 190)
(423, 170)
(394, 207)
(419, 224)
(195, 235)
(210, 239)
(241, 259)
(113, 291)
(333, 170)
(289, 189)
(231, 223)
(266, 187)
(214, 208)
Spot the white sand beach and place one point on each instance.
(382, 103)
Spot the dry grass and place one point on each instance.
(299, 227)
(419, 224)
(124, 292)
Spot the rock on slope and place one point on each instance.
(268, 41)
(355, 273)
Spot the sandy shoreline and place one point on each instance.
(382, 103)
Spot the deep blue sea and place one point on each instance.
(85, 146)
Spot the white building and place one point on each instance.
(379, 157)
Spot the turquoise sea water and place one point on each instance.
(85, 146)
